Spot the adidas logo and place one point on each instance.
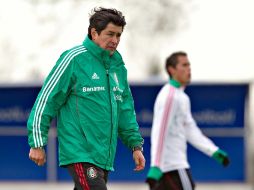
(95, 76)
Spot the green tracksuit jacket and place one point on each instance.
(88, 92)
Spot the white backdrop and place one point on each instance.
(218, 36)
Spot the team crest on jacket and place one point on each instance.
(91, 172)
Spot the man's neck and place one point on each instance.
(175, 83)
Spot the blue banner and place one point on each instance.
(218, 105)
(15, 105)
(217, 108)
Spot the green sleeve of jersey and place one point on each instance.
(154, 173)
(51, 97)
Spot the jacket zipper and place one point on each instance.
(111, 124)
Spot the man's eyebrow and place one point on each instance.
(114, 32)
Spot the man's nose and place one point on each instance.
(114, 39)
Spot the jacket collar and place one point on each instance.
(174, 83)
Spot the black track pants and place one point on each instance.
(87, 176)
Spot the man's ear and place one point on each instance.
(171, 70)
(94, 33)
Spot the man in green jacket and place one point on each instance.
(88, 92)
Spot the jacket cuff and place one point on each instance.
(154, 173)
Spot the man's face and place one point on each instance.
(182, 71)
(109, 38)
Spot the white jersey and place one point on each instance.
(174, 126)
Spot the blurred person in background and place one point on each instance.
(173, 126)
(88, 92)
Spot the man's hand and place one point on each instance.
(38, 155)
(221, 157)
(139, 160)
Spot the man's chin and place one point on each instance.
(112, 51)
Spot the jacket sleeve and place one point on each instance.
(128, 129)
(195, 136)
(51, 97)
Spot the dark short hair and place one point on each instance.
(102, 16)
(172, 60)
